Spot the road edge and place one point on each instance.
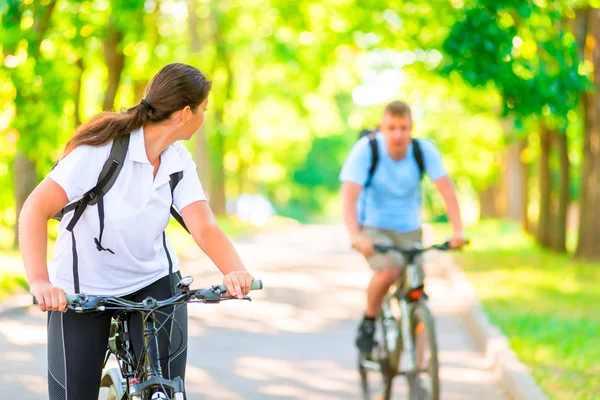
(512, 374)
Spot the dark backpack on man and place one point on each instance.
(106, 179)
(371, 134)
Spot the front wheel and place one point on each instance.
(114, 382)
(425, 383)
(112, 393)
(379, 388)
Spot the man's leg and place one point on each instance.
(378, 287)
(386, 269)
(409, 240)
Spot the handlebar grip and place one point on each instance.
(256, 285)
(70, 298)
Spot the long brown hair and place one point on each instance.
(174, 87)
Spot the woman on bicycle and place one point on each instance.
(116, 245)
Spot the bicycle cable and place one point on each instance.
(169, 316)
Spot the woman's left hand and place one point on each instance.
(238, 283)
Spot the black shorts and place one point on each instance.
(77, 345)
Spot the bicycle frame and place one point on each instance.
(411, 283)
(120, 346)
(401, 352)
(398, 339)
(124, 380)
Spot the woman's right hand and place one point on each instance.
(49, 297)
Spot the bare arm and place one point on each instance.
(43, 203)
(210, 238)
(350, 193)
(448, 192)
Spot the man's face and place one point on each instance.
(397, 131)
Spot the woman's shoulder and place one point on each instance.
(89, 153)
(78, 171)
(182, 151)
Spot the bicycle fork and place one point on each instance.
(405, 326)
(154, 377)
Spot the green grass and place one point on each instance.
(547, 304)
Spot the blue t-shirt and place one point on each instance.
(393, 198)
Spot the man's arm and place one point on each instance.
(448, 192)
(350, 193)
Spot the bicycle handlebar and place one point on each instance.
(72, 299)
(441, 246)
(82, 302)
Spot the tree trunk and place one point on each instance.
(515, 176)
(524, 170)
(218, 195)
(589, 228)
(544, 221)
(78, 89)
(202, 159)
(24, 172)
(217, 191)
(489, 204)
(139, 89)
(196, 43)
(25, 182)
(559, 241)
(115, 61)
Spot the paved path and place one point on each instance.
(294, 341)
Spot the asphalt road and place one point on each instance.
(294, 341)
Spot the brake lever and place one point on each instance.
(235, 298)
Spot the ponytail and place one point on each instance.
(173, 88)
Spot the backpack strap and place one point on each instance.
(108, 176)
(174, 179)
(106, 179)
(366, 132)
(112, 166)
(418, 154)
(374, 158)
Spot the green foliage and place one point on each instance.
(524, 49)
(283, 113)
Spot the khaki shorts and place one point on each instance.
(392, 259)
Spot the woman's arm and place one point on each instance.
(43, 203)
(210, 238)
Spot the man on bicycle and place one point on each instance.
(381, 201)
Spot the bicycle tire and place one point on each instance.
(384, 385)
(115, 391)
(112, 393)
(384, 378)
(423, 322)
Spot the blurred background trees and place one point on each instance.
(507, 89)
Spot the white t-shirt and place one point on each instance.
(136, 212)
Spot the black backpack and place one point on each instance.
(371, 134)
(106, 179)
